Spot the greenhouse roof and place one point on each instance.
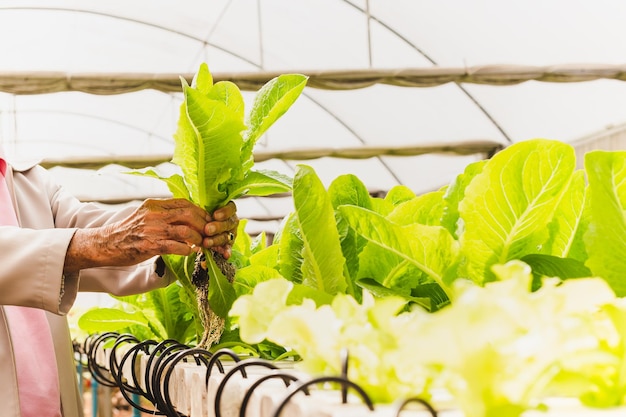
(399, 92)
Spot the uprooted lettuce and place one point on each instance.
(214, 150)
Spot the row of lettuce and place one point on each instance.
(470, 287)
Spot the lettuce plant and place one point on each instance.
(466, 262)
(369, 330)
(214, 150)
(158, 314)
(340, 239)
(439, 250)
(496, 349)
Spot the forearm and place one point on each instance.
(148, 232)
(100, 259)
(88, 249)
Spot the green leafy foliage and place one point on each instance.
(158, 314)
(416, 246)
(323, 263)
(554, 266)
(486, 285)
(508, 206)
(606, 235)
(430, 248)
(498, 348)
(570, 222)
(213, 150)
(472, 266)
(454, 193)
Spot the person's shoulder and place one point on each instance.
(23, 165)
(30, 171)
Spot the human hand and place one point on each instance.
(156, 227)
(221, 231)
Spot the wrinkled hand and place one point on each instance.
(156, 227)
(221, 231)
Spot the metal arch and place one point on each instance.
(204, 42)
(132, 20)
(96, 117)
(356, 135)
(432, 61)
(210, 32)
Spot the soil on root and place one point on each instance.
(212, 324)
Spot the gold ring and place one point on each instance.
(231, 236)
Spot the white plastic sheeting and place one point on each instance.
(158, 36)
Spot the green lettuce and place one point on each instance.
(605, 238)
(431, 249)
(323, 264)
(214, 145)
(158, 314)
(507, 208)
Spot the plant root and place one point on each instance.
(212, 324)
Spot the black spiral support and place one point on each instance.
(163, 357)
(156, 352)
(214, 361)
(114, 367)
(345, 357)
(128, 390)
(401, 405)
(286, 377)
(296, 388)
(98, 372)
(240, 367)
(200, 356)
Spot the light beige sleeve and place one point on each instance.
(33, 255)
(32, 266)
(119, 280)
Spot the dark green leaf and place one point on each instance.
(553, 266)
(378, 290)
(221, 292)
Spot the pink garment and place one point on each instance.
(37, 375)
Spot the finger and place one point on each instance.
(179, 211)
(173, 247)
(226, 251)
(194, 248)
(183, 234)
(218, 227)
(221, 239)
(226, 212)
(180, 248)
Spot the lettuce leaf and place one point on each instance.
(291, 247)
(348, 189)
(214, 145)
(323, 262)
(454, 193)
(431, 249)
(606, 236)
(570, 222)
(507, 208)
